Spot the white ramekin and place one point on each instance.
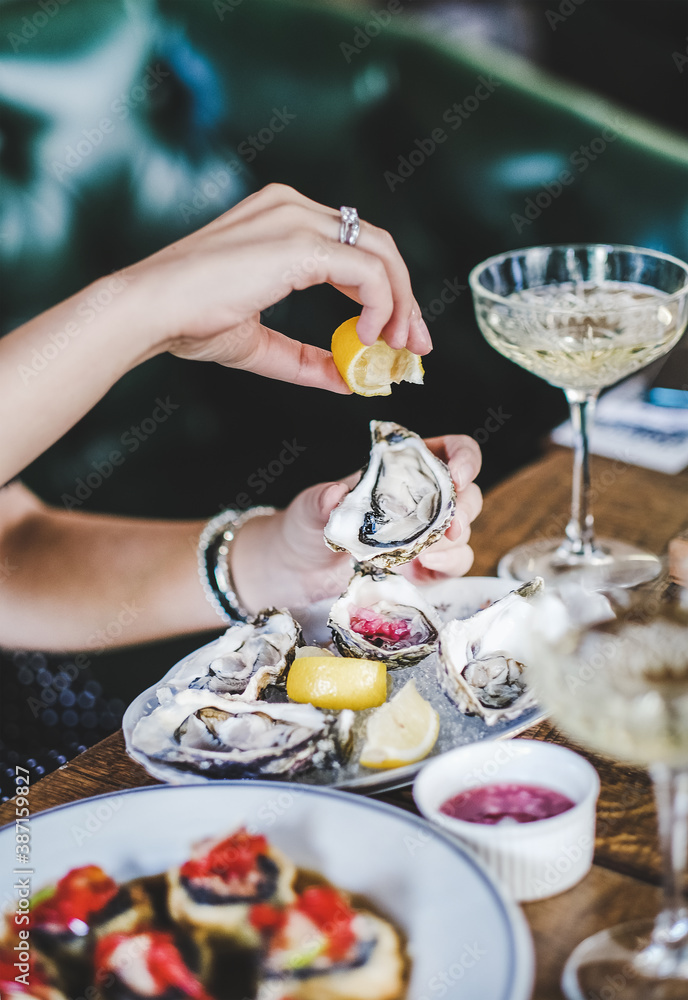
(532, 860)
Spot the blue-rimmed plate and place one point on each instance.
(457, 598)
(466, 940)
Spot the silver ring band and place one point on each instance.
(350, 226)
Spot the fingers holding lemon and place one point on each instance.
(372, 370)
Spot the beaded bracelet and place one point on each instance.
(214, 570)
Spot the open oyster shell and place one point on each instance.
(225, 737)
(245, 659)
(382, 616)
(481, 659)
(403, 502)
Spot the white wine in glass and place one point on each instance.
(619, 683)
(582, 317)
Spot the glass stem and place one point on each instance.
(580, 529)
(669, 946)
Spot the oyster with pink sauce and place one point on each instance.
(382, 616)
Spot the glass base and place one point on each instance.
(627, 963)
(610, 564)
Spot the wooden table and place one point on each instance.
(631, 503)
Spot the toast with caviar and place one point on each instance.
(237, 920)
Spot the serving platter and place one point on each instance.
(457, 598)
(464, 936)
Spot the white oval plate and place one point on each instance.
(457, 598)
(466, 939)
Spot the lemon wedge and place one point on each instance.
(370, 371)
(401, 732)
(337, 682)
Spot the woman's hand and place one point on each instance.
(283, 559)
(201, 298)
(203, 295)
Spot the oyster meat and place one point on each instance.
(482, 658)
(382, 616)
(403, 502)
(245, 659)
(224, 737)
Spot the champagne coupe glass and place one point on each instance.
(581, 316)
(617, 681)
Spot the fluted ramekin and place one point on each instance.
(532, 860)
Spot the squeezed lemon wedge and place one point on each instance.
(401, 732)
(337, 682)
(370, 371)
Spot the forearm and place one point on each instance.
(54, 368)
(73, 581)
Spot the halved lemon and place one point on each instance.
(401, 732)
(337, 682)
(370, 371)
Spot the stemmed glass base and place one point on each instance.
(628, 962)
(609, 563)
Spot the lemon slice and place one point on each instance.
(337, 682)
(370, 371)
(401, 732)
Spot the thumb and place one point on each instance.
(327, 498)
(270, 353)
(319, 501)
(304, 520)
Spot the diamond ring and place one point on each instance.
(350, 226)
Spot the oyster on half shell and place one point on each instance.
(482, 658)
(382, 616)
(245, 659)
(223, 737)
(403, 502)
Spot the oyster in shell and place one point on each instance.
(382, 616)
(245, 659)
(481, 659)
(403, 502)
(224, 737)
